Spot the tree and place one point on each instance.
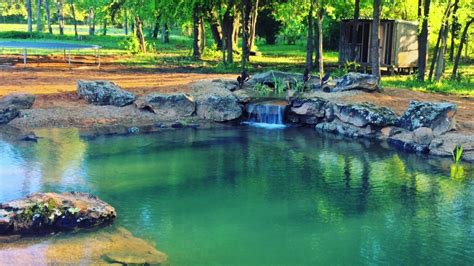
(309, 42)
(73, 13)
(39, 17)
(355, 21)
(253, 24)
(60, 16)
(423, 14)
(320, 12)
(246, 9)
(30, 14)
(197, 31)
(139, 34)
(461, 44)
(91, 20)
(438, 57)
(48, 17)
(454, 29)
(374, 40)
(228, 31)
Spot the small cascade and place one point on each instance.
(266, 114)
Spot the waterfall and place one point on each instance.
(266, 114)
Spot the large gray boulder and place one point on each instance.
(364, 114)
(102, 92)
(445, 144)
(171, 106)
(437, 116)
(215, 102)
(339, 127)
(308, 111)
(413, 141)
(356, 81)
(19, 100)
(8, 113)
(50, 212)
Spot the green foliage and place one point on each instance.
(262, 89)
(131, 44)
(457, 154)
(279, 87)
(299, 86)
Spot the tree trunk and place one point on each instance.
(215, 30)
(309, 41)
(30, 14)
(227, 33)
(355, 22)
(125, 23)
(246, 10)
(165, 34)
(48, 17)
(454, 29)
(203, 35)
(441, 54)
(39, 18)
(104, 28)
(91, 21)
(461, 44)
(235, 30)
(438, 41)
(156, 28)
(196, 32)
(374, 41)
(253, 24)
(423, 37)
(74, 21)
(139, 34)
(319, 21)
(60, 16)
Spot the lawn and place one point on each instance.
(177, 54)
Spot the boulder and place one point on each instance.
(102, 92)
(243, 96)
(406, 141)
(215, 102)
(168, 105)
(364, 114)
(308, 111)
(423, 135)
(445, 144)
(19, 100)
(437, 116)
(269, 78)
(356, 81)
(336, 126)
(41, 213)
(8, 113)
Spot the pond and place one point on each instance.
(251, 196)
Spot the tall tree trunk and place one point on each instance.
(156, 28)
(423, 14)
(319, 20)
(203, 35)
(125, 22)
(309, 41)
(74, 21)
(253, 24)
(139, 34)
(196, 32)
(454, 29)
(235, 29)
(104, 28)
(355, 23)
(441, 54)
(374, 41)
(30, 15)
(91, 21)
(461, 44)
(165, 34)
(39, 17)
(60, 16)
(436, 52)
(246, 10)
(227, 33)
(48, 17)
(215, 29)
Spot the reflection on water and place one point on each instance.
(260, 197)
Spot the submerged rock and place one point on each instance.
(356, 81)
(50, 212)
(8, 113)
(19, 100)
(102, 92)
(168, 105)
(215, 102)
(437, 116)
(111, 245)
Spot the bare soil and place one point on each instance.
(55, 84)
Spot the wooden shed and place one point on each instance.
(398, 43)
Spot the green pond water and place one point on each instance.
(248, 196)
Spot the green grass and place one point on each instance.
(178, 55)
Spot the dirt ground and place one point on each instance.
(54, 84)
